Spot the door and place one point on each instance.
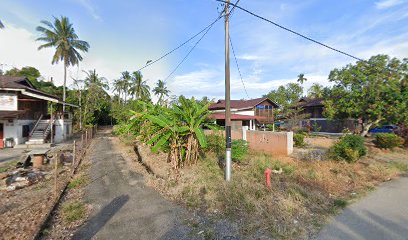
(1, 136)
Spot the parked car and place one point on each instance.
(384, 129)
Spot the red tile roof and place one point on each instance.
(221, 116)
(240, 104)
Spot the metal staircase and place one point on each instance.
(40, 132)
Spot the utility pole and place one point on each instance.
(227, 98)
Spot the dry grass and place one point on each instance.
(298, 202)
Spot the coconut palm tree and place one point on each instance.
(301, 78)
(315, 91)
(140, 88)
(92, 78)
(161, 90)
(118, 87)
(126, 78)
(61, 35)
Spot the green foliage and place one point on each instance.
(299, 139)
(372, 91)
(239, 150)
(76, 182)
(388, 140)
(216, 143)
(73, 211)
(315, 91)
(176, 129)
(286, 96)
(349, 148)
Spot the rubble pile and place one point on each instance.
(20, 178)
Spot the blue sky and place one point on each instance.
(125, 34)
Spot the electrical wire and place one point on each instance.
(239, 70)
(181, 45)
(292, 31)
(192, 48)
(199, 40)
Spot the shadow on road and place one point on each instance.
(99, 220)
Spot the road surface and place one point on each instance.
(381, 215)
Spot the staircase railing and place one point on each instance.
(48, 129)
(35, 126)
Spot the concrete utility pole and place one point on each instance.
(227, 98)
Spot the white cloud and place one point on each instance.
(383, 4)
(87, 4)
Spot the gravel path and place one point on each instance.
(381, 215)
(122, 207)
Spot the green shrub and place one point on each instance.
(388, 140)
(216, 144)
(240, 150)
(299, 139)
(350, 148)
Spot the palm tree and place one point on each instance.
(315, 91)
(61, 35)
(1, 25)
(118, 87)
(161, 90)
(301, 78)
(126, 78)
(92, 78)
(140, 88)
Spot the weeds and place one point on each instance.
(73, 211)
(76, 182)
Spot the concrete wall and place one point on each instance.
(14, 129)
(277, 143)
(62, 132)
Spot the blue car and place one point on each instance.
(384, 129)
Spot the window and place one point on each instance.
(26, 130)
(260, 107)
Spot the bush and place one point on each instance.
(299, 139)
(388, 140)
(216, 144)
(350, 148)
(240, 150)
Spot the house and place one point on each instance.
(314, 108)
(24, 116)
(253, 113)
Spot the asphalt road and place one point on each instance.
(122, 207)
(382, 215)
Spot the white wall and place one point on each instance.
(248, 113)
(59, 136)
(14, 129)
(8, 102)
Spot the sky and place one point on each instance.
(125, 34)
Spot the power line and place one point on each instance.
(292, 31)
(181, 45)
(199, 40)
(239, 71)
(195, 45)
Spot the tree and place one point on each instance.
(315, 91)
(1, 25)
(61, 35)
(118, 86)
(139, 88)
(286, 96)
(161, 90)
(126, 78)
(301, 78)
(369, 91)
(97, 101)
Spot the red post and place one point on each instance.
(268, 177)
